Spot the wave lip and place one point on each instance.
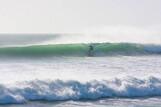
(99, 49)
(59, 90)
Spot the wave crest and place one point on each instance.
(59, 90)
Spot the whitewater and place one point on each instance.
(44, 74)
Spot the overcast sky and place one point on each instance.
(64, 16)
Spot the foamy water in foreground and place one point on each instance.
(121, 80)
(148, 102)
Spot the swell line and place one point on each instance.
(94, 49)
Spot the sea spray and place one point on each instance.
(58, 90)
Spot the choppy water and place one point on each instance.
(125, 81)
(149, 102)
(36, 74)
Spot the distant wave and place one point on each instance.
(59, 90)
(99, 49)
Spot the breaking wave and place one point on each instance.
(99, 49)
(59, 90)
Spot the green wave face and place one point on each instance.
(46, 50)
(99, 49)
(119, 48)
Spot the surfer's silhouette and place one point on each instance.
(90, 51)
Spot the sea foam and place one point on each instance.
(59, 90)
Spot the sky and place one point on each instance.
(77, 16)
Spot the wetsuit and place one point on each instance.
(90, 51)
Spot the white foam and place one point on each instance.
(76, 78)
(59, 90)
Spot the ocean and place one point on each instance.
(73, 75)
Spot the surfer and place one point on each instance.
(90, 51)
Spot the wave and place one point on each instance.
(99, 49)
(59, 90)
